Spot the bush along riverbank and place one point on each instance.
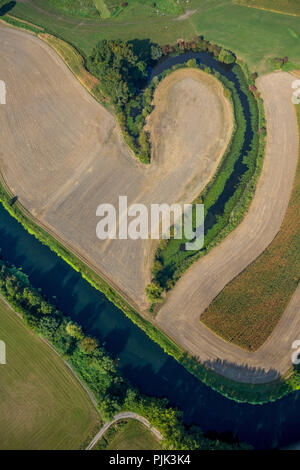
(98, 371)
(239, 392)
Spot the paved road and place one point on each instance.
(179, 317)
(118, 417)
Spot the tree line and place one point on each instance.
(97, 369)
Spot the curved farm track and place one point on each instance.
(63, 154)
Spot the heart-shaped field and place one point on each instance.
(64, 154)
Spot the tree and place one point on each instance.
(32, 298)
(88, 345)
(192, 63)
(227, 93)
(74, 330)
(226, 56)
(156, 52)
(48, 326)
(157, 267)
(46, 308)
(120, 71)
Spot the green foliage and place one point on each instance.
(226, 56)
(192, 63)
(153, 292)
(120, 71)
(76, 7)
(74, 330)
(93, 364)
(221, 217)
(88, 345)
(169, 422)
(156, 52)
(20, 24)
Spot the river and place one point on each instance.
(142, 361)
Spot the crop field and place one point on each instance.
(256, 36)
(42, 404)
(107, 8)
(75, 63)
(128, 435)
(79, 185)
(291, 7)
(249, 308)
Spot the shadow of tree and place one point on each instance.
(7, 7)
(242, 373)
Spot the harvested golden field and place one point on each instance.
(42, 404)
(75, 63)
(64, 154)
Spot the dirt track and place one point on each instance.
(179, 317)
(62, 153)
